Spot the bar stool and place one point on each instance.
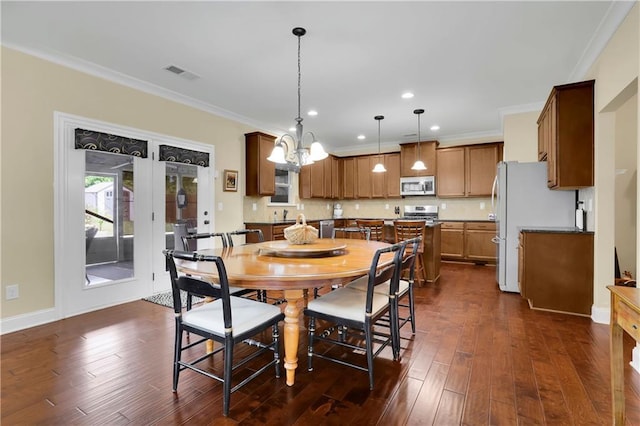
(376, 226)
(407, 229)
(352, 232)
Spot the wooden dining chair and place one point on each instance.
(245, 232)
(228, 320)
(352, 231)
(406, 230)
(261, 295)
(187, 239)
(236, 291)
(404, 290)
(354, 312)
(375, 227)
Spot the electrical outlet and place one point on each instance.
(13, 292)
(301, 206)
(328, 207)
(357, 206)
(443, 206)
(255, 207)
(481, 205)
(386, 206)
(220, 207)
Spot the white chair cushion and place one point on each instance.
(245, 314)
(362, 283)
(348, 303)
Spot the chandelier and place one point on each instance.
(292, 157)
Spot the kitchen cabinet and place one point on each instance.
(467, 171)
(478, 244)
(260, 173)
(408, 156)
(392, 176)
(555, 270)
(349, 178)
(469, 241)
(316, 180)
(566, 135)
(363, 176)
(432, 252)
(452, 240)
(274, 231)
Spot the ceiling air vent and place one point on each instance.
(187, 75)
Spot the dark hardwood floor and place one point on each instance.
(479, 357)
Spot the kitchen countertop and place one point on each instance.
(554, 229)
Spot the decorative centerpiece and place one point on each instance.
(301, 233)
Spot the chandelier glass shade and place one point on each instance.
(289, 150)
(419, 164)
(379, 168)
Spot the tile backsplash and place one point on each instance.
(258, 209)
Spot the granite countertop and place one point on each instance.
(554, 229)
(465, 220)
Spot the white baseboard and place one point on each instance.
(31, 319)
(600, 315)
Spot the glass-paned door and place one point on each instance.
(181, 203)
(109, 212)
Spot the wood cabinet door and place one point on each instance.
(478, 245)
(392, 178)
(452, 240)
(409, 155)
(349, 177)
(363, 177)
(317, 179)
(304, 183)
(481, 162)
(335, 177)
(327, 171)
(450, 178)
(260, 173)
(378, 180)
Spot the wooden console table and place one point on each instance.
(625, 316)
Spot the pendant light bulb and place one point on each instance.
(379, 168)
(419, 164)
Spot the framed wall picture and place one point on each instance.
(230, 182)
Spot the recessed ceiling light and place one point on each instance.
(435, 127)
(313, 112)
(407, 95)
(361, 137)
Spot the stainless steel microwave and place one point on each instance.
(423, 185)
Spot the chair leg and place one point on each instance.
(176, 357)
(228, 368)
(394, 328)
(369, 342)
(312, 330)
(275, 335)
(412, 310)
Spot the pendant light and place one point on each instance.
(418, 165)
(300, 155)
(379, 168)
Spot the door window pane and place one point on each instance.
(109, 209)
(181, 203)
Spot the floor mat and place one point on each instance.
(166, 299)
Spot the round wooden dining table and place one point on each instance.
(278, 265)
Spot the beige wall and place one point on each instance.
(615, 72)
(32, 90)
(626, 184)
(521, 136)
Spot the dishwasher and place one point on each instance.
(326, 228)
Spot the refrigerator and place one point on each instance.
(522, 199)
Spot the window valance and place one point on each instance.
(182, 155)
(97, 141)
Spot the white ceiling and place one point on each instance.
(467, 62)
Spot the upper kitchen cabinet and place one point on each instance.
(392, 176)
(348, 177)
(467, 171)
(260, 172)
(565, 136)
(316, 180)
(408, 156)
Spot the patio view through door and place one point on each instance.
(116, 212)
